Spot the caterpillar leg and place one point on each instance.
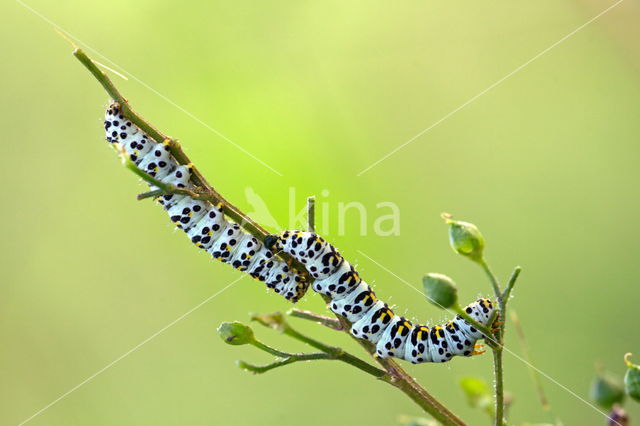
(497, 323)
(478, 350)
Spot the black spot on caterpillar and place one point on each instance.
(204, 223)
(372, 319)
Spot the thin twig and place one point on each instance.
(311, 214)
(487, 333)
(498, 368)
(512, 280)
(492, 278)
(331, 323)
(399, 378)
(229, 209)
(259, 369)
(278, 322)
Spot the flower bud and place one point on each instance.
(465, 238)
(606, 391)
(440, 290)
(632, 379)
(235, 333)
(618, 417)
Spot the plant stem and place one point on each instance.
(259, 369)
(404, 382)
(279, 323)
(492, 278)
(497, 349)
(512, 281)
(229, 209)
(499, 385)
(208, 192)
(331, 323)
(311, 213)
(488, 334)
(399, 378)
(258, 344)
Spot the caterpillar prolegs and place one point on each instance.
(372, 319)
(203, 222)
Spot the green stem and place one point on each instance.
(335, 352)
(259, 369)
(331, 323)
(400, 378)
(494, 281)
(512, 281)
(499, 386)
(497, 348)
(258, 344)
(404, 382)
(163, 188)
(212, 195)
(488, 334)
(311, 214)
(150, 194)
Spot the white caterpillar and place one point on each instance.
(372, 319)
(352, 298)
(203, 222)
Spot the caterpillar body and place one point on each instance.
(371, 318)
(204, 223)
(351, 297)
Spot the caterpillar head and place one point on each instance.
(272, 242)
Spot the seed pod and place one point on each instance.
(632, 379)
(440, 290)
(465, 238)
(235, 333)
(606, 391)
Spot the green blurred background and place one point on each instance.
(546, 164)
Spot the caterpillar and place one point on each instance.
(204, 223)
(351, 297)
(371, 318)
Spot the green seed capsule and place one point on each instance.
(465, 238)
(440, 290)
(235, 333)
(606, 391)
(632, 379)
